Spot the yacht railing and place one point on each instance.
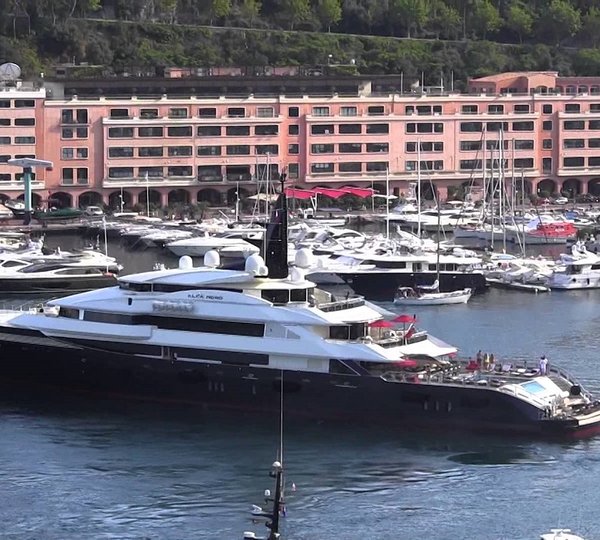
(338, 305)
(6, 306)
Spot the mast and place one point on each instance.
(419, 188)
(523, 209)
(387, 203)
(437, 251)
(275, 238)
(502, 190)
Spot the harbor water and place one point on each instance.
(76, 468)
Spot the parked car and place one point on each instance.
(561, 200)
(93, 211)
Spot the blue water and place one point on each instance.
(74, 469)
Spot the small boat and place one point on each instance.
(407, 296)
(57, 214)
(517, 285)
(560, 534)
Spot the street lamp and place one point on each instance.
(27, 164)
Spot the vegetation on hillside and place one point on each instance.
(467, 37)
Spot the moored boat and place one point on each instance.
(407, 296)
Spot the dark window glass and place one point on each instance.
(154, 131)
(349, 129)
(209, 131)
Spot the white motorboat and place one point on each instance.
(408, 296)
(560, 534)
(578, 270)
(198, 246)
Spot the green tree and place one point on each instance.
(330, 12)
(444, 21)
(411, 14)
(519, 19)
(560, 21)
(587, 62)
(296, 11)
(220, 9)
(250, 10)
(591, 27)
(485, 18)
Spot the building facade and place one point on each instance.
(536, 131)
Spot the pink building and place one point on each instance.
(542, 128)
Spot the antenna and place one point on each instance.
(9, 71)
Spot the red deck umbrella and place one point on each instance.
(405, 319)
(381, 323)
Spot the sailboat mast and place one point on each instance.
(419, 188)
(502, 190)
(387, 203)
(437, 251)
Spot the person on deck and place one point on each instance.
(543, 365)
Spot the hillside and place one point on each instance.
(434, 37)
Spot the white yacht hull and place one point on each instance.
(436, 299)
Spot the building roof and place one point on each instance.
(513, 75)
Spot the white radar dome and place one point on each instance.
(186, 263)
(304, 258)
(255, 265)
(212, 259)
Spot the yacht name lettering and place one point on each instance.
(202, 296)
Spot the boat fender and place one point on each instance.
(575, 390)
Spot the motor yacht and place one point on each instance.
(225, 338)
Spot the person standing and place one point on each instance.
(543, 365)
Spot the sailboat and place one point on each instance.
(430, 295)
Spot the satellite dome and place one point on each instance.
(255, 265)
(186, 263)
(304, 258)
(212, 259)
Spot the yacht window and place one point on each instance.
(139, 287)
(298, 295)
(276, 296)
(9, 264)
(103, 317)
(339, 332)
(340, 368)
(69, 313)
(595, 266)
(358, 330)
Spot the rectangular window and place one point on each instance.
(470, 146)
(151, 172)
(179, 170)
(271, 149)
(594, 161)
(82, 176)
(265, 112)
(350, 167)
(572, 108)
(236, 112)
(179, 151)
(24, 103)
(523, 163)
(574, 143)
(74, 116)
(293, 170)
(470, 164)
(66, 133)
(293, 129)
(5, 140)
(409, 109)
(425, 127)
(320, 168)
(266, 130)
(24, 121)
(293, 112)
(523, 145)
(4, 103)
(178, 112)
(209, 131)
(24, 140)
(321, 148)
(547, 109)
(320, 111)
(322, 129)
(469, 109)
(209, 173)
(350, 129)
(471, 127)
(378, 147)
(150, 151)
(547, 125)
(521, 109)
(377, 129)
(377, 166)
(522, 126)
(119, 113)
(573, 162)
(593, 143)
(237, 131)
(594, 124)
(68, 177)
(350, 148)
(209, 150)
(148, 114)
(238, 150)
(547, 144)
(348, 111)
(376, 110)
(120, 132)
(207, 112)
(573, 125)
(120, 172)
(497, 126)
(179, 131)
(495, 145)
(82, 133)
(118, 152)
(4, 159)
(594, 107)
(5, 177)
(293, 149)
(547, 164)
(495, 109)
